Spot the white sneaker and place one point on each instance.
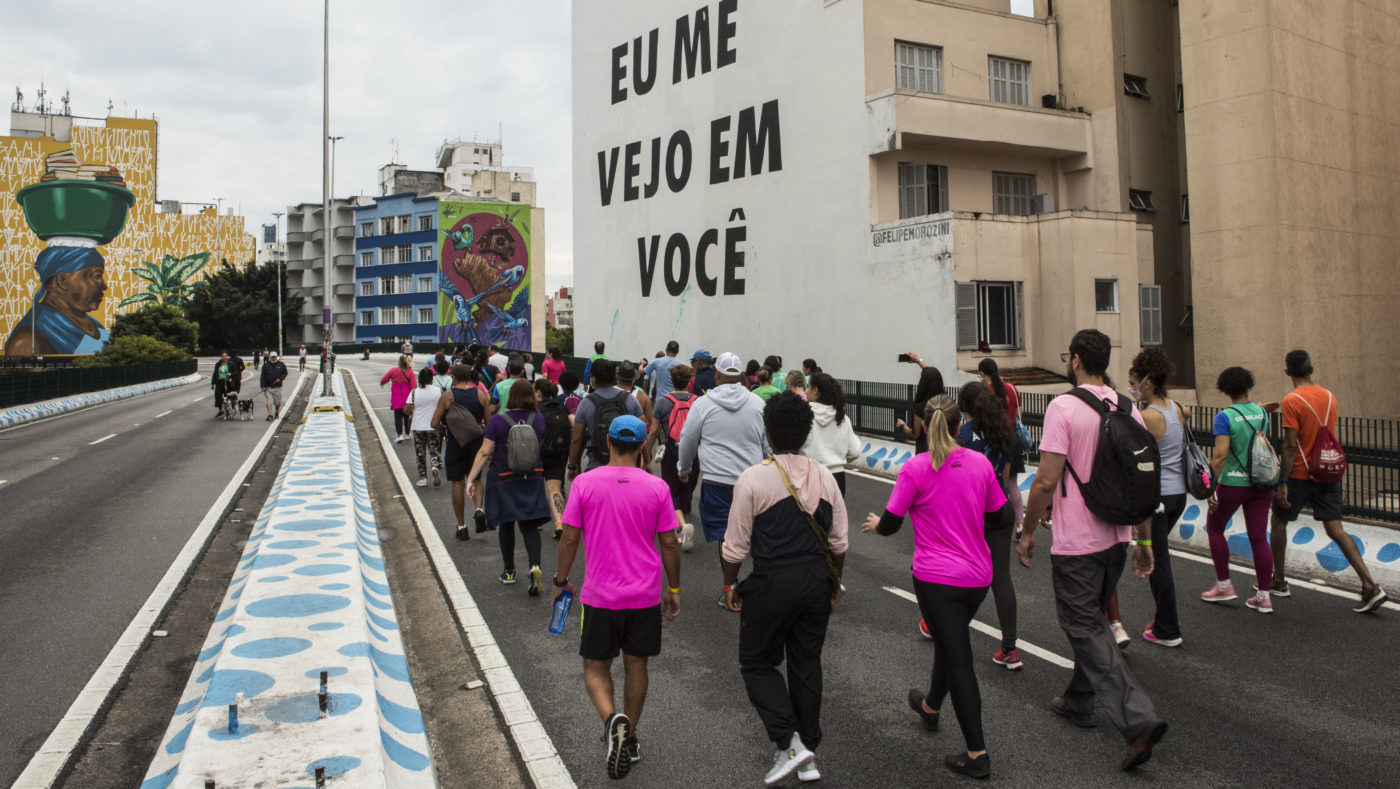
(688, 537)
(1120, 635)
(422, 482)
(809, 771)
(788, 760)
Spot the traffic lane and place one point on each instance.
(82, 546)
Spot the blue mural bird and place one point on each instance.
(465, 307)
(461, 239)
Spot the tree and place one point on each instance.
(132, 349)
(170, 281)
(237, 308)
(563, 339)
(161, 321)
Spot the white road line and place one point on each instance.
(1305, 583)
(1026, 647)
(43, 770)
(532, 742)
(3, 481)
(104, 438)
(161, 414)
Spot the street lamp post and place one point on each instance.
(276, 235)
(327, 315)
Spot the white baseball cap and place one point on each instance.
(729, 364)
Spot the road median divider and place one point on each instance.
(20, 414)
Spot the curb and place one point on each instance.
(18, 415)
(1311, 553)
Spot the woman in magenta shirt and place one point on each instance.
(402, 382)
(948, 493)
(553, 365)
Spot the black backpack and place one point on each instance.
(556, 428)
(1125, 484)
(605, 410)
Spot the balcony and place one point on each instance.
(296, 237)
(345, 290)
(344, 318)
(345, 231)
(316, 291)
(299, 264)
(903, 118)
(344, 261)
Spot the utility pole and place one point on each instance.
(327, 315)
(276, 239)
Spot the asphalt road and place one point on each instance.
(1305, 697)
(96, 504)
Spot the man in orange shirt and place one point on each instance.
(1305, 410)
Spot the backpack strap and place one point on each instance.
(1100, 406)
(1252, 433)
(811, 521)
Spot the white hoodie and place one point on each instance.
(830, 444)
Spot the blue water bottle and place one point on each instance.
(562, 604)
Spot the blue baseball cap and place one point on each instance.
(702, 354)
(627, 429)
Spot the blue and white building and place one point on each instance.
(396, 269)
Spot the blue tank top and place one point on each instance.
(1169, 446)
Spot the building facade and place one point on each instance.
(396, 269)
(561, 309)
(305, 273)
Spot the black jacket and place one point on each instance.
(273, 374)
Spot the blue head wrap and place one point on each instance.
(59, 260)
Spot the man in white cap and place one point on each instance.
(724, 430)
(274, 372)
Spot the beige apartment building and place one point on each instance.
(1058, 154)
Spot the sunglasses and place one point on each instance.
(1064, 357)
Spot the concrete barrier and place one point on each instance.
(309, 599)
(1311, 554)
(18, 415)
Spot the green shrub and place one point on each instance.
(164, 322)
(133, 349)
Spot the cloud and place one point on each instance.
(237, 90)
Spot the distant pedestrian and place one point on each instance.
(515, 496)
(442, 375)
(273, 374)
(658, 371)
(627, 373)
(515, 371)
(948, 493)
(621, 513)
(751, 374)
(401, 381)
(704, 366)
(554, 449)
(797, 383)
(571, 390)
(222, 382)
(427, 444)
(301, 356)
(790, 516)
(810, 368)
(1308, 410)
(407, 348)
(832, 441)
(529, 366)
(497, 359)
(774, 365)
(930, 386)
(605, 403)
(669, 416)
(553, 366)
(765, 388)
(596, 356)
(257, 358)
(1010, 400)
(465, 405)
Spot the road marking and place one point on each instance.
(104, 438)
(3, 481)
(83, 410)
(161, 414)
(1239, 568)
(43, 770)
(546, 768)
(1028, 648)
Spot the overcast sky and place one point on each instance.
(237, 89)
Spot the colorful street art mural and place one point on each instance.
(485, 260)
(81, 240)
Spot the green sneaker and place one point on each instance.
(507, 577)
(1277, 589)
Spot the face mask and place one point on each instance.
(1135, 392)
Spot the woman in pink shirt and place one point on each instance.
(553, 366)
(402, 382)
(948, 492)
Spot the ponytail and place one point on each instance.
(941, 414)
(988, 367)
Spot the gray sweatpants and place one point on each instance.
(1083, 586)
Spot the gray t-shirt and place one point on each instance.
(658, 374)
(585, 413)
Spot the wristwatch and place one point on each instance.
(558, 584)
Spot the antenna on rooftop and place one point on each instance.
(65, 103)
(19, 100)
(394, 142)
(109, 105)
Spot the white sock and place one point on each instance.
(1222, 585)
(1263, 594)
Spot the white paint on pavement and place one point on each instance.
(982, 627)
(104, 438)
(161, 414)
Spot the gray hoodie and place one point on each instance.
(725, 429)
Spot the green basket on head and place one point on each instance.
(86, 209)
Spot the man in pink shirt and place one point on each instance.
(620, 511)
(1088, 555)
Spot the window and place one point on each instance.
(1180, 99)
(366, 229)
(405, 254)
(1105, 295)
(367, 258)
(425, 253)
(1150, 309)
(923, 189)
(515, 197)
(366, 287)
(367, 318)
(404, 223)
(988, 312)
(386, 226)
(403, 314)
(918, 67)
(404, 283)
(386, 315)
(1141, 200)
(1136, 86)
(1185, 209)
(386, 286)
(1010, 80)
(425, 222)
(425, 315)
(1013, 193)
(425, 284)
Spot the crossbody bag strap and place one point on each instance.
(1320, 423)
(1252, 433)
(811, 521)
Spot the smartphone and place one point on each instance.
(904, 357)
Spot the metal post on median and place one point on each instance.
(326, 389)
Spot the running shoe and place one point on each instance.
(687, 537)
(961, 763)
(558, 530)
(422, 482)
(1217, 595)
(787, 760)
(916, 703)
(1151, 638)
(923, 630)
(480, 517)
(634, 750)
(1277, 589)
(809, 772)
(536, 581)
(1120, 634)
(1260, 603)
(437, 478)
(463, 533)
(1370, 600)
(1084, 720)
(1009, 658)
(619, 730)
(1140, 747)
(507, 577)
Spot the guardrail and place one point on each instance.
(31, 386)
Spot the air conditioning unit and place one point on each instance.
(1045, 204)
(1049, 100)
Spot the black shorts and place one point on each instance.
(1326, 500)
(605, 631)
(457, 460)
(554, 466)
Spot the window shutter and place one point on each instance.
(1019, 339)
(1150, 308)
(966, 296)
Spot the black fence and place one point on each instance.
(1371, 488)
(17, 387)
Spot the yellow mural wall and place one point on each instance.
(128, 144)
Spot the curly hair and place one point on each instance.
(988, 417)
(788, 420)
(1153, 365)
(828, 392)
(1235, 382)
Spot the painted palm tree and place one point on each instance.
(169, 282)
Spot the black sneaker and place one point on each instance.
(1371, 599)
(480, 517)
(507, 577)
(1140, 747)
(634, 750)
(1084, 720)
(1279, 589)
(981, 767)
(916, 703)
(463, 533)
(619, 730)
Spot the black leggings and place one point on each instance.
(403, 423)
(840, 481)
(998, 532)
(506, 532)
(947, 610)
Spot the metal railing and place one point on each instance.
(29, 387)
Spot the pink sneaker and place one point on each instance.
(1151, 638)
(1263, 605)
(923, 630)
(1217, 595)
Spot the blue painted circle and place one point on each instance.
(325, 626)
(295, 605)
(291, 545)
(331, 671)
(265, 648)
(334, 587)
(322, 569)
(334, 765)
(307, 708)
(308, 525)
(1304, 535)
(1388, 552)
(272, 579)
(226, 684)
(264, 561)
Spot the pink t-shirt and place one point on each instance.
(552, 369)
(1072, 430)
(946, 508)
(620, 510)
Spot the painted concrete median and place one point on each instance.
(18, 415)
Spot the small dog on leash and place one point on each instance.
(245, 410)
